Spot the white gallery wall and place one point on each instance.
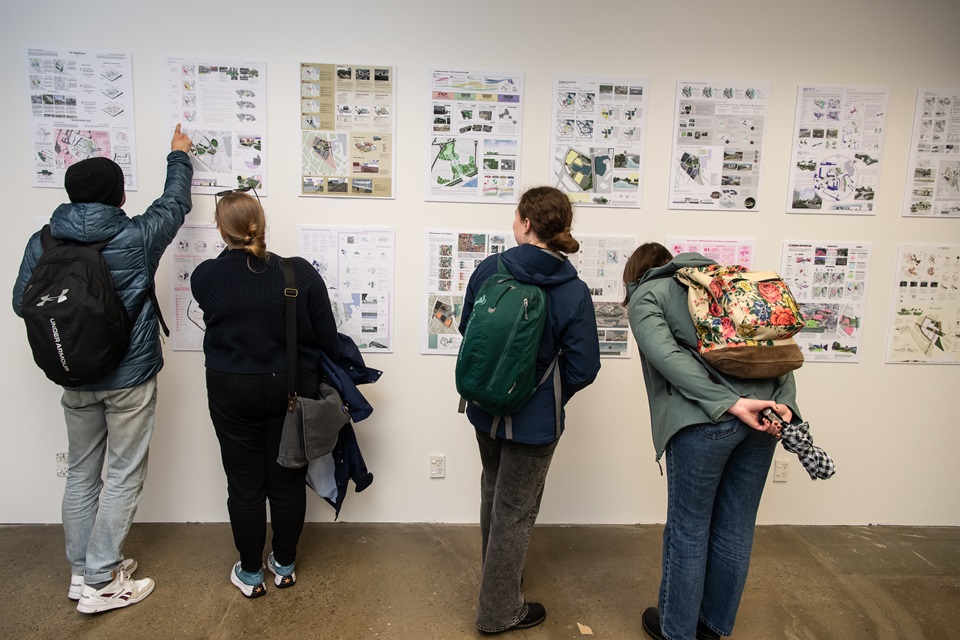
(892, 429)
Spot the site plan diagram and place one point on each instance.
(450, 258)
(599, 264)
(933, 178)
(192, 245)
(837, 149)
(925, 320)
(222, 105)
(722, 250)
(717, 145)
(358, 266)
(347, 130)
(81, 106)
(597, 139)
(829, 281)
(473, 136)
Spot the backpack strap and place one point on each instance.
(508, 420)
(290, 294)
(48, 241)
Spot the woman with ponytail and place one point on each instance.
(241, 292)
(516, 450)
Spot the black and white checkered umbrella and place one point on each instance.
(796, 439)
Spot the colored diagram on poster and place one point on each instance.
(454, 162)
(212, 151)
(325, 153)
(443, 312)
(73, 145)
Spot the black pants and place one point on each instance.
(248, 413)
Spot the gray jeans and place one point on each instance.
(511, 487)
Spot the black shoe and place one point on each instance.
(651, 624)
(536, 614)
(706, 633)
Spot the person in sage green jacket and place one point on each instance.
(718, 453)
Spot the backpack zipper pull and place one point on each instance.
(525, 309)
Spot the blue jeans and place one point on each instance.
(715, 477)
(511, 487)
(116, 425)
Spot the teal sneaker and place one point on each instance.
(251, 584)
(283, 575)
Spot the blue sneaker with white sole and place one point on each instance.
(283, 575)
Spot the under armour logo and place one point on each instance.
(60, 298)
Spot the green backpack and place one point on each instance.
(497, 363)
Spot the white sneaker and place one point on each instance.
(123, 591)
(76, 582)
(249, 590)
(282, 580)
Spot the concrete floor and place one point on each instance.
(419, 582)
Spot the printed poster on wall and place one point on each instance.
(450, 258)
(717, 143)
(474, 125)
(598, 137)
(724, 251)
(837, 149)
(933, 178)
(925, 322)
(599, 264)
(347, 130)
(81, 106)
(192, 245)
(222, 105)
(829, 281)
(358, 267)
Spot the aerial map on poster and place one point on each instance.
(473, 136)
(933, 178)
(829, 281)
(347, 130)
(597, 139)
(81, 106)
(925, 322)
(837, 149)
(358, 266)
(717, 145)
(222, 105)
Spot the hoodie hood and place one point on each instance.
(533, 265)
(679, 261)
(87, 222)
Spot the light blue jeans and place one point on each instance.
(115, 425)
(715, 477)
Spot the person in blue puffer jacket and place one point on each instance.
(113, 417)
(516, 458)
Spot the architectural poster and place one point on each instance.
(837, 149)
(933, 178)
(473, 136)
(222, 105)
(192, 245)
(358, 267)
(598, 137)
(81, 106)
(600, 263)
(722, 250)
(347, 130)
(829, 281)
(450, 258)
(717, 143)
(925, 322)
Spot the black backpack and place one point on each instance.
(77, 325)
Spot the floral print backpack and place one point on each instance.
(745, 320)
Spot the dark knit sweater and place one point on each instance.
(245, 314)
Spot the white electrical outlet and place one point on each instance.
(61, 465)
(780, 468)
(438, 465)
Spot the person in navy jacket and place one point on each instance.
(516, 460)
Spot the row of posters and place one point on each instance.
(81, 105)
(828, 278)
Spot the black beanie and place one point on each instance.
(95, 180)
